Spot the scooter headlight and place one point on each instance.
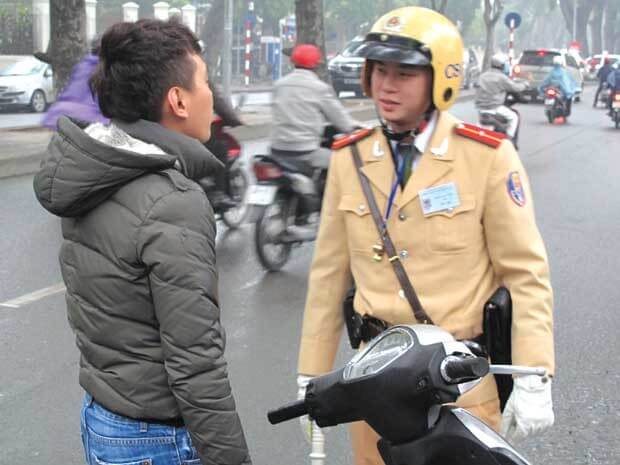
(380, 353)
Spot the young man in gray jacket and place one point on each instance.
(138, 256)
(302, 105)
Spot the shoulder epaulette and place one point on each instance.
(485, 136)
(349, 139)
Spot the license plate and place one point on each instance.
(352, 81)
(549, 101)
(615, 104)
(261, 195)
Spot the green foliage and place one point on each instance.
(16, 28)
(178, 3)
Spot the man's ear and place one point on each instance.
(176, 102)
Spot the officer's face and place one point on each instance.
(402, 93)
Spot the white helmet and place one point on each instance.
(499, 60)
(557, 61)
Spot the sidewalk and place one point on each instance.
(22, 149)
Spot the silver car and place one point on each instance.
(27, 83)
(535, 65)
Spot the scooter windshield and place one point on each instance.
(379, 354)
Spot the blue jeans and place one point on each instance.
(112, 439)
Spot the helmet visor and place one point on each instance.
(384, 47)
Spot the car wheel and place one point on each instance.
(38, 103)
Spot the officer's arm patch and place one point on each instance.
(515, 188)
(484, 136)
(349, 139)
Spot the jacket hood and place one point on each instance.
(79, 172)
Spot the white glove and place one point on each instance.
(529, 409)
(307, 425)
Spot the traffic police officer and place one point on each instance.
(463, 223)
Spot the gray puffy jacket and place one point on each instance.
(138, 260)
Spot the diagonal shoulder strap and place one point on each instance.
(419, 313)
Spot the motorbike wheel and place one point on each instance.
(617, 120)
(239, 182)
(549, 117)
(271, 222)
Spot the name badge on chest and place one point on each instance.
(439, 198)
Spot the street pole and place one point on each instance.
(511, 43)
(575, 19)
(227, 52)
(248, 43)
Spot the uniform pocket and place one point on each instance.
(453, 230)
(361, 229)
(98, 461)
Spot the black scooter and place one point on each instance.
(285, 201)
(614, 108)
(556, 106)
(227, 189)
(491, 119)
(398, 385)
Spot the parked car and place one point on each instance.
(594, 63)
(471, 68)
(27, 83)
(534, 66)
(345, 68)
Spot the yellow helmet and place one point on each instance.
(418, 36)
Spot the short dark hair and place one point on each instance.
(138, 63)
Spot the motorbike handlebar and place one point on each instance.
(287, 412)
(456, 369)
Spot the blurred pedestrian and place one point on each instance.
(138, 255)
(76, 99)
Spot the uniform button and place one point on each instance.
(402, 216)
(404, 254)
(401, 294)
(362, 207)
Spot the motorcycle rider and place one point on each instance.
(493, 86)
(561, 79)
(302, 105)
(456, 254)
(601, 75)
(613, 81)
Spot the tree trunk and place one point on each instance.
(596, 26)
(612, 18)
(213, 36)
(310, 29)
(584, 10)
(439, 6)
(67, 38)
(492, 11)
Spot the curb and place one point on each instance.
(29, 164)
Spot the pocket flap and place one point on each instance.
(353, 204)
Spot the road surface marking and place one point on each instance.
(34, 296)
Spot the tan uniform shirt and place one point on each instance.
(455, 259)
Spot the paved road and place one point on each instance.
(573, 173)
